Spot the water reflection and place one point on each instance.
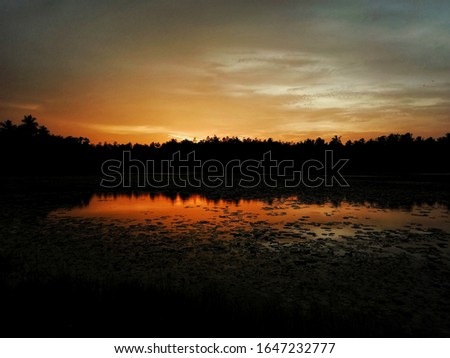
(290, 216)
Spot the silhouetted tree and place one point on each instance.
(43, 131)
(31, 148)
(7, 126)
(29, 125)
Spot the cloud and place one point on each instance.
(195, 68)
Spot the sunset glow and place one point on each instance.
(145, 71)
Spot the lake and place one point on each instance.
(370, 260)
(292, 218)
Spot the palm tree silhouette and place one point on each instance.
(29, 126)
(7, 126)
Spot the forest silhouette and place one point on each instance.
(29, 148)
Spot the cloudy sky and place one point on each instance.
(145, 71)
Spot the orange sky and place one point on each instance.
(154, 70)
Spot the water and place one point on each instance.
(283, 219)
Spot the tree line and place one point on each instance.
(29, 148)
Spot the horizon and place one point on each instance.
(151, 71)
(241, 138)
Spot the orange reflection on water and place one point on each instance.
(282, 213)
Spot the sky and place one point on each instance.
(143, 71)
